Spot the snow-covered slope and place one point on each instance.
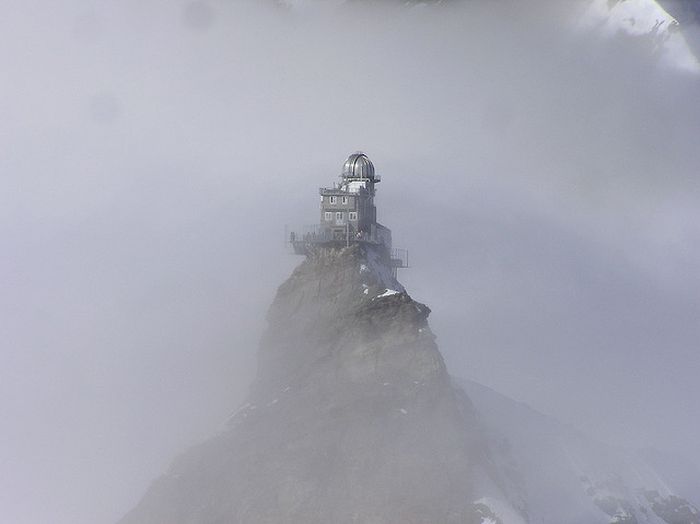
(671, 40)
(555, 474)
(649, 22)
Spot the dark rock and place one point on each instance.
(352, 417)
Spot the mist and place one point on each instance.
(542, 176)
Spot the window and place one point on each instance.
(339, 216)
(344, 200)
(333, 200)
(352, 215)
(329, 216)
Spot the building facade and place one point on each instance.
(347, 208)
(348, 214)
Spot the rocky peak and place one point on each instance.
(351, 418)
(343, 306)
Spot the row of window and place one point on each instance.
(340, 216)
(334, 199)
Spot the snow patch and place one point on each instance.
(240, 410)
(642, 18)
(502, 510)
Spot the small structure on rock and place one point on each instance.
(349, 216)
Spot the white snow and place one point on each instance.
(642, 17)
(502, 510)
(388, 293)
(366, 291)
(561, 471)
(240, 410)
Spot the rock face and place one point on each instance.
(352, 416)
(554, 473)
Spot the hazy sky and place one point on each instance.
(545, 181)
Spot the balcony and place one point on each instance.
(303, 239)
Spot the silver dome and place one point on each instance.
(358, 166)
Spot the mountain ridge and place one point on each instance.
(353, 417)
(556, 473)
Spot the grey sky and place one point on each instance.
(544, 181)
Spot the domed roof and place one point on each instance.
(358, 166)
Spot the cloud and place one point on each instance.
(544, 180)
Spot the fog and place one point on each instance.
(542, 176)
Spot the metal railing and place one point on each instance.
(317, 234)
(301, 240)
(399, 257)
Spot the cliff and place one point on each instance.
(352, 416)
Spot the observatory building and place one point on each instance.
(348, 214)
